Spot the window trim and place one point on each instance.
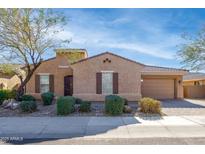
(107, 71)
(43, 74)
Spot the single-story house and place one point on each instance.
(194, 85)
(72, 72)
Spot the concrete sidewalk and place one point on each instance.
(102, 127)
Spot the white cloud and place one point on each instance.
(96, 34)
(141, 48)
(120, 20)
(86, 38)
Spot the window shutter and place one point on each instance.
(115, 83)
(37, 83)
(51, 83)
(99, 83)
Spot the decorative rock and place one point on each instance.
(14, 106)
(10, 104)
(7, 105)
(127, 109)
(5, 102)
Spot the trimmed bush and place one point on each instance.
(78, 101)
(27, 98)
(6, 94)
(114, 105)
(65, 105)
(85, 106)
(125, 101)
(28, 106)
(47, 98)
(149, 105)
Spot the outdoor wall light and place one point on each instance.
(141, 80)
(179, 81)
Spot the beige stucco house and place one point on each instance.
(194, 85)
(8, 80)
(92, 78)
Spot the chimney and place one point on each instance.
(70, 55)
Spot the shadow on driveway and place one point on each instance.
(182, 104)
(65, 128)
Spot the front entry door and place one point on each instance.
(68, 85)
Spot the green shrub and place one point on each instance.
(149, 105)
(125, 101)
(27, 98)
(6, 94)
(28, 106)
(78, 101)
(11, 94)
(2, 97)
(47, 98)
(114, 105)
(85, 106)
(65, 105)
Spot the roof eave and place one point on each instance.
(85, 59)
(163, 73)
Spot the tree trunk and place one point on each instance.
(20, 90)
(19, 93)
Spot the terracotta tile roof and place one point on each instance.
(149, 68)
(194, 76)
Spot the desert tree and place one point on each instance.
(26, 35)
(192, 51)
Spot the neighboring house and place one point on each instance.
(9, 81)
(194, 85)
(92, 78)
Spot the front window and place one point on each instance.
(107, 82)
(44, 83)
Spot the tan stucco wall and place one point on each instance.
(179, 83)
(10, 83)
(14, 81)
(5, 82)
(129, 77)
(51, 67)
(194, 91)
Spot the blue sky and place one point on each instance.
(149, 36)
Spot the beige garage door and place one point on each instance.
(158, 88)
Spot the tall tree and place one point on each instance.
(26, 35)
(192, 51)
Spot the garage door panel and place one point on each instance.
(158, 88)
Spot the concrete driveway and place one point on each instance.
(53, 128)
(191, 107)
